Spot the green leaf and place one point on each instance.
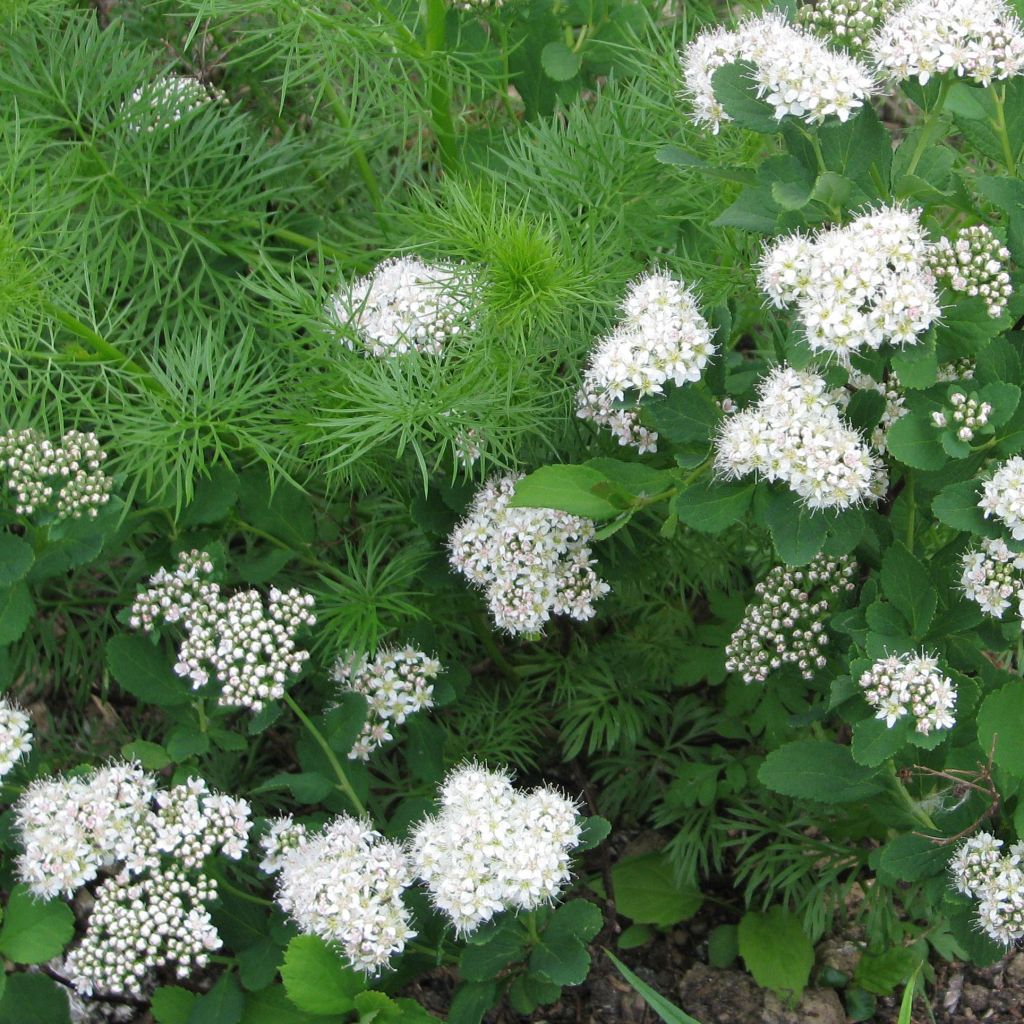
(561, 955)
(906, 583)
(667, 1011)
(678, 157)
(734, 88)
(16, 608)
(595, 830)
(917, 366)
(818, 770)
(881, 973)
(914, 440)
(471, 1001)
(501, 946)
(723, 945)
(142, 670)
(797, 532)
(187, 741)
(874, 742)
(306, 787)
(16, 558)
(710, 507)
(910, 858)
(214, 497)
(33, 999)
(272, 1006)
(223, 1004)
(956, 505)
(776, 951)
(33, 931)
(1001, 722)
(647, 892)
(172, 1004)
(832, 189)
(754, 209)
(683, 415)
(568, 488)
(151, 756)
(559, 62)
(316, 979)
(258, 964)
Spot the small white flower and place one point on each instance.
(1003, 496)
(910, 684)
(975, 265)
(996, 881)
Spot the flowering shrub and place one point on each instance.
(481, 481)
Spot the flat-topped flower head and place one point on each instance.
(910, 686)
(795, 433)
(794, 71)
(405, 305)
(859, 286)
(977, 39)
(531, 563)
(345, 884)
(662, 337)
(492, 847)
(974, 264)
(992, 576)
(995, 879)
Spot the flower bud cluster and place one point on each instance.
(661, 337)
(966, 415)
(37, 469)
(283, 835)
(856, 286)
(1003, 496)
(167, 100)
(977, 39)
(406, 305)
(785, 626)
(975, 265)
(15, 736)
(492, 848)
(795, 433)
(250, 649)
(150, 910)
(531, 563)
(396, 684)
(793, 70)
(345, 884)
(992, 576)
(849, 22)
(996, 881)
(910, 684)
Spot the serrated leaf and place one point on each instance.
(506, 945)
(683, 415)
(711, 506)
(316, 979)
(151, 756)
(172, 1004)
(16, 608)
(734, 88)
(1001, 727)
(16, 558)
(956, 505)
(34, 999)
(567, 488)
(910, 858)
(906, 583)
(646, 891)
(874, 742)
(818, 770)
(776, 951)
(914, 440)
(797, 532)
(34, 931)
(223, 1004)
(142, 670)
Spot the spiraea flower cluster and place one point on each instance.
(975, 265)
(856, 286)
(967, 413)
(37, 470)
(406, 305)
(345, 884)
(850, 22)
(992, 576)
(795, 433)
(150, 910)
(661, 337)
(1002, 496)
(785, 624)
(15, 736)
(977, 39)
(531, 563)
(982, 871)
(167, 100)
(492, 848)
(248, 647)
(901, 685)
(794, 71)
(282, 835)
(396, 684)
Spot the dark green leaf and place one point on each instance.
(16, 608)
(316, 979)
(711, 506)
(568, 488)
(34, 931)
(223, 1004)
(1001, 727)
(33, 999)
(142, 670)
(797, 532)
(172, 1004)
(818, 770)
(906, 583)
(16, 558)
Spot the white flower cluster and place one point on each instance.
(977, 39)
(980, 870)
(150, 911)
(795, 433)
(15, 736)
(396, 684)
(283, 835)
(492, 848)
(661, 337)
(975, 265)
(856, 286)
(849, 22)
(248, 648)
(967, 415)
(910, 684)
(784, 625)
(531, 563)
(793, 70)
(37, 469)
(1003, 496)
(167, 100)
(992, 576)
(406, 305)
(345, 884)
